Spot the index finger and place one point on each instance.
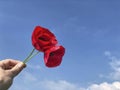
(8, 63)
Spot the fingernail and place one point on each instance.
(20, 65)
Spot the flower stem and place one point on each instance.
(32, 54)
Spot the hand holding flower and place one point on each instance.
(45, 41)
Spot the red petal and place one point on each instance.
(53, 56)
(42, 38)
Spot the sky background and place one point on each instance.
(88, 29)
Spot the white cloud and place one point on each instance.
(110, 56)
(115, 65)
(64, 85)
(107, 53)
(60, 85)
(30, 82)
(105, 86)
(116, 70)
(27, 81)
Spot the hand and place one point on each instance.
(9, 68)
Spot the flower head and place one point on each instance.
(43, 39)
(53, 56)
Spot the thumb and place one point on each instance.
(17, 69)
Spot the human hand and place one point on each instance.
(9, 68)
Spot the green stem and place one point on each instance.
(31, 57)
(32, 54)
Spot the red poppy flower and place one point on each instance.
(43, 39)
(53, 56)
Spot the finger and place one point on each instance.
(17, 69)
(8, 63)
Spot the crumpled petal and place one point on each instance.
(53, 56)
(43, 39)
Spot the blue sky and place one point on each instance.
(88, 29)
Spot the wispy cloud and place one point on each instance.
(116, 70)
(73, 24)
(115, 65)
(60, 85)
(27, 81)
(31, 66)
(29, 77)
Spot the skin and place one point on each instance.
(9, 69)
